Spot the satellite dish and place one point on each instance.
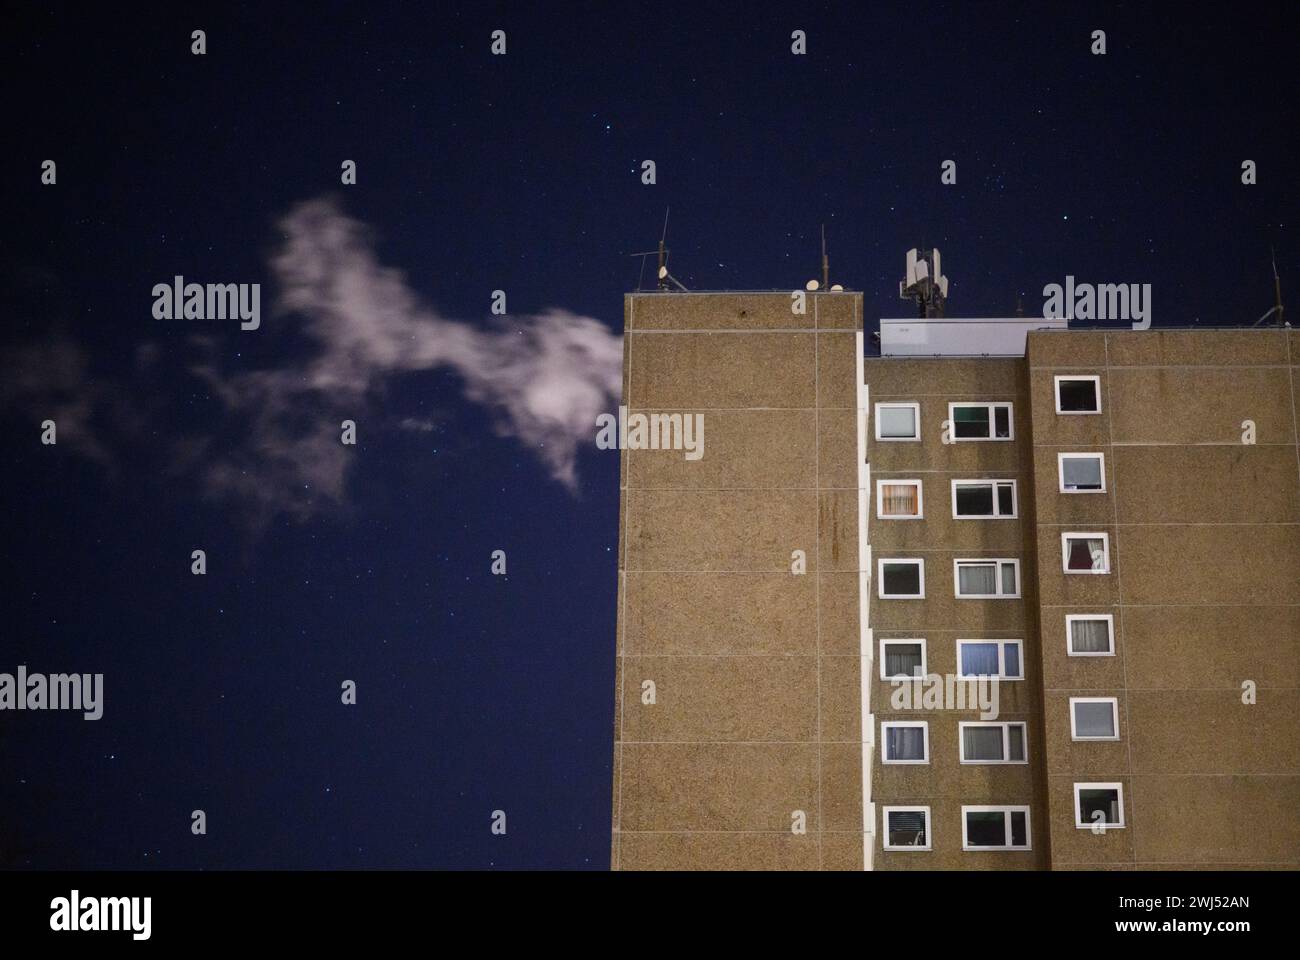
(663, 272)
(837, 288)
(811, 285)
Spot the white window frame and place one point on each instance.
(896, 676)
(1006, 811)
(1006, 726)
(1078, 813)
(925, 741)
(1079, 454)
(1096, 383)
(956, 578)
(897, 405)
(992, 405)
(987, 482)
(1114, 719)
(880, 578)
(1089, 535)
(884, 824)
(1002, 659)
(880, 500)
(1072, 618)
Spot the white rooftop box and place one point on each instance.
(953, 337)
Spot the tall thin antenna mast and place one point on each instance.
(826, 264)
(1277, 295)
(663, 253)
(1277, 288)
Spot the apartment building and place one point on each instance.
(1102, 526)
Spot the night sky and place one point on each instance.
(477, 173)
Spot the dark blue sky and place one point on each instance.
(478, 173)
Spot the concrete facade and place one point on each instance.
(747, 752)
(751, 755)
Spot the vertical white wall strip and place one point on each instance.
(865, 672)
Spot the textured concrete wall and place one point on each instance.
(756, 669)
(945, 784)
(1205, 591)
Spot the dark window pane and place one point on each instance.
(1105, 801)
(1078, 396)
(902, 578)
(971, 421)
(1011, 659)
(975, 501)
(906, 828)
(986, 829)
(1019, 829)
(1006, 499)
(1002, 419)
(1016, 738)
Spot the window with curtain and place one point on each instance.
(977, 580)
(979, 660)
(1090, 635)
(904, 658)
(989, 658)
(905, 744)
(982, 743)
(987, 578)
(902, 499)
(1085, 553)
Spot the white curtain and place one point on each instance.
(1090, 636)
(905, 743)
(978, 580)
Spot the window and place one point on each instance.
(1098, 803)
(1085, 552)
(992, 742)
(986, 579)
(1082, 472)
(901, 579)
(983, 499)
(995, 828)
(1094, 718)
(1090, 634)
(906, 741)
(981, 421)
(907, 828)
(898, 421)
(902, 658)
(898, 499)
(990, 658)
(1078, 394)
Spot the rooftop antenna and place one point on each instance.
(925, 283)
(1277, 295)
(826, 264)
(662, 252)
